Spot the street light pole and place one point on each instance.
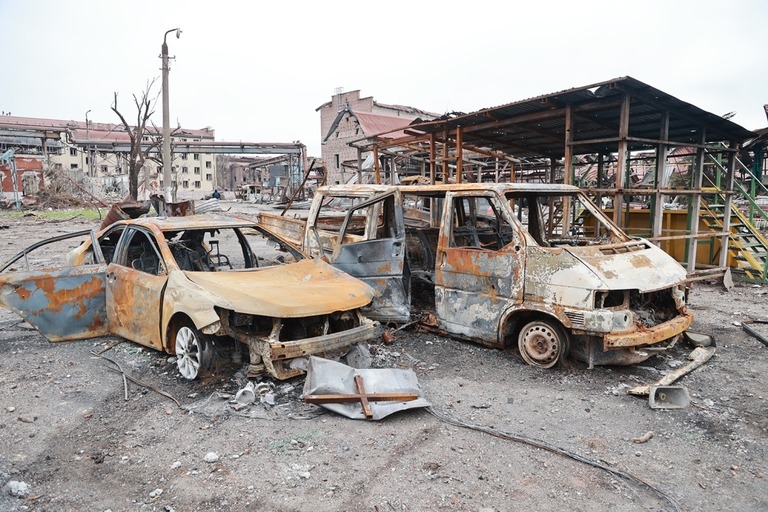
(167, 163)
(88, 139)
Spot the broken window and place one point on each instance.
(554, 219)
(478, 222)
(331, 216)
(141, 253)
(209, 250)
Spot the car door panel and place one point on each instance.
(62, 301)
(379, 258)
(135, 282)
(474, 285)
(67, 304)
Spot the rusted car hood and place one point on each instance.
(646, 270)
(307, 288)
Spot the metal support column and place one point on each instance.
(432, 161)
(568, 166)
(618, 200)
(661, 163)
(695, 206)
(459, 155)
(729, 183)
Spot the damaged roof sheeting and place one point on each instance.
(536, 127)
(182, 285)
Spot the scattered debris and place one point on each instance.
(27, 418)
(699, 356)
(246, 395)
(727, 280)
(18, 489)
(543, 445)
(643, 438)
(752, 332)
(361, 393)
(699, 340)
(119, 369)
(359, 356)
(668, 397)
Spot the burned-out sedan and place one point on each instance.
(187, 286)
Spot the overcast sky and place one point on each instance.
(256, 70)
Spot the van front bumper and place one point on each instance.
(642, 336)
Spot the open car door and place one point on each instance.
(62, 302)
(375, 253)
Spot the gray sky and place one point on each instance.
(257, 70)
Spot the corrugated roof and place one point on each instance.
(535, 127)
(373, 124)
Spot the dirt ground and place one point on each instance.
(75, 436)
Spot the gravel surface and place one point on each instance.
(75, 436)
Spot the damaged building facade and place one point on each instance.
(347, 118)
(94, 155)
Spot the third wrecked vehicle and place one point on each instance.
(537, 265)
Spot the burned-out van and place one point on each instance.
(534, 264)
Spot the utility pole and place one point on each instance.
(88, 142)
(167, 163)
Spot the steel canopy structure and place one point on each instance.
(602, 125)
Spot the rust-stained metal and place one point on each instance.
(698, 357)
(167, 283)
(125, 210)
(361, 396)
(62, 305)
(502, 263)
(166, 209)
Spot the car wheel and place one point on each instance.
(194, 352)
(542, 343)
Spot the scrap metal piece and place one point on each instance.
(698, 357)
(668, 397)
(361, 393)
(362, 397)
(759, 337)
(699, 340)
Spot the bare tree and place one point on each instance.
(140, 148)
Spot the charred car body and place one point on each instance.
(539, 265)
(184, 285)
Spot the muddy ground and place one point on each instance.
(75, 436)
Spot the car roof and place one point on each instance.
(199, 221)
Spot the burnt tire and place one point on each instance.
(542, 343)
(194, 352)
